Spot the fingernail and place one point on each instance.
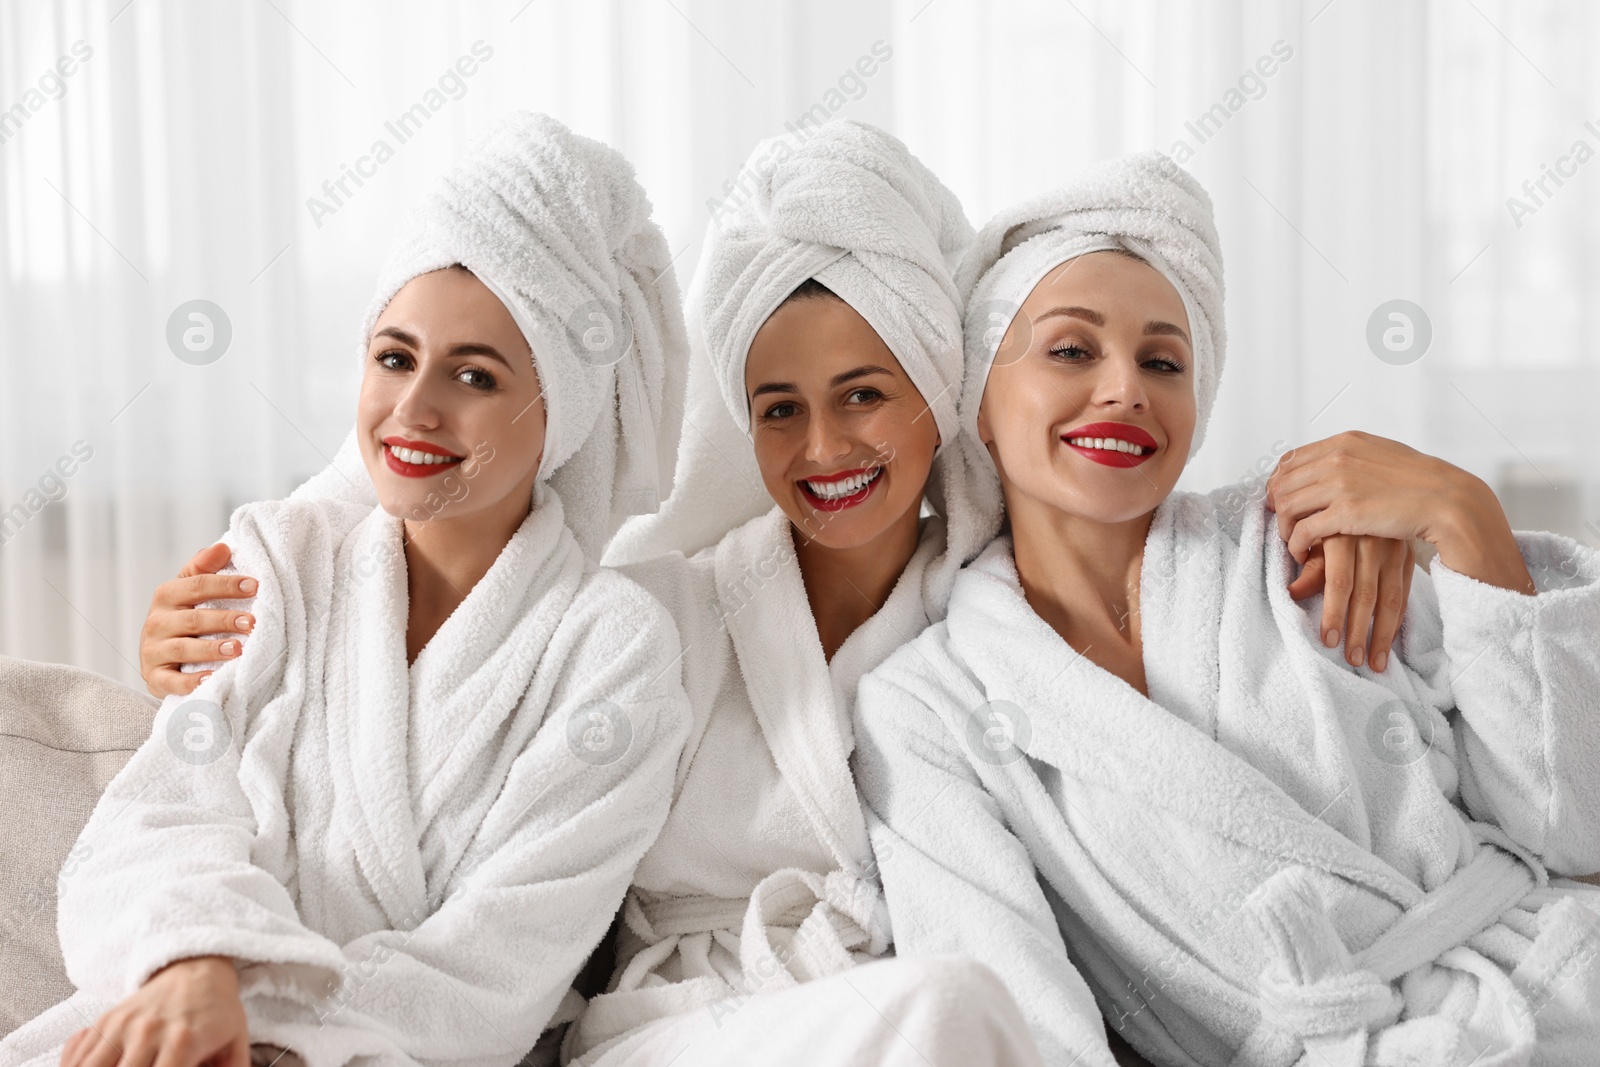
(1331, 638)
(248, 586)
(1380, 661)
(230, 648)
(1357, 655)
(242, 623)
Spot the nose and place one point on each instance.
(826, 441)
(1119, 383)
(417, 406)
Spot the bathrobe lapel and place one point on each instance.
(407, 742)
(1098, 731)
(791, 688)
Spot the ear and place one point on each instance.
(984, 434)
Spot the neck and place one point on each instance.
(1081, 576)
(445, 558)
(847, 586)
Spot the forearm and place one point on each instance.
(1474, 538)
(1523, 673)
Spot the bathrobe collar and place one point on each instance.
(1072, 715)
(378, 708)
(804, 702)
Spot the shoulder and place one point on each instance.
(294, 523)
(924, 682)
(674, 576)
(613, 603)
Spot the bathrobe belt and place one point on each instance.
(1319, 995)
(831, 917)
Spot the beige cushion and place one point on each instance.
(64, 734)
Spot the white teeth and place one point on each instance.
(845, 486)
(411, 455)
(1108, 444)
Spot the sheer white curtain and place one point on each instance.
(230, 152)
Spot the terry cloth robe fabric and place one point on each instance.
(762, 880)
(411, 864)
(1276, 858)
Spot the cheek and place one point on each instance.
(774, 452)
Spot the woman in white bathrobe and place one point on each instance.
(1127, 755)
(392, 830)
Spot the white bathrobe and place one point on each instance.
(763, 876)
(1275, 858)
(410, 863)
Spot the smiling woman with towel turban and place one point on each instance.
(1144, 756)
(826, 342)
(395, 827)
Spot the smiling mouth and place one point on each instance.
(1108, 444)
(416, 463)
(841, 491)
(1111, 444)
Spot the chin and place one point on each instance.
(840, 531)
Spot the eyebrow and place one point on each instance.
(837, 380)
(469, 348)
(1089, 315)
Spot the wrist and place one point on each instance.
(211, 968)
(1474, 538)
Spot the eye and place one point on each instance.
(393, 359)
(863, 395)
(1163, 365)
(1070, 353)
(781, 410)
(480, 378)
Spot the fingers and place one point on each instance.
(141, 1043)
(72, 1051)
(1313, 530)
(208, 560)
(1338, 554)
(1394, 587)
(172, 623)
(194, 589)
(1371, 555)
(169, 681)
(1309, 581)
(1293, 501)
(104, 1047)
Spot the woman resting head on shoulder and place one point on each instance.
(1251, 847)
(795, 554)
(451, 736)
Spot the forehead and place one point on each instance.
(1112, 284)
(449, 305)
(814, 338)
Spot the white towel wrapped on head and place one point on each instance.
(1143, 203)
(851, 207)
(558, 227)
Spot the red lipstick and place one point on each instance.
(842, 502)
(1106, 436)
(417, 470)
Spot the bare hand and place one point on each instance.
(1366, 584)
(172, 629)
(1355, 483)
(187, 1014)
